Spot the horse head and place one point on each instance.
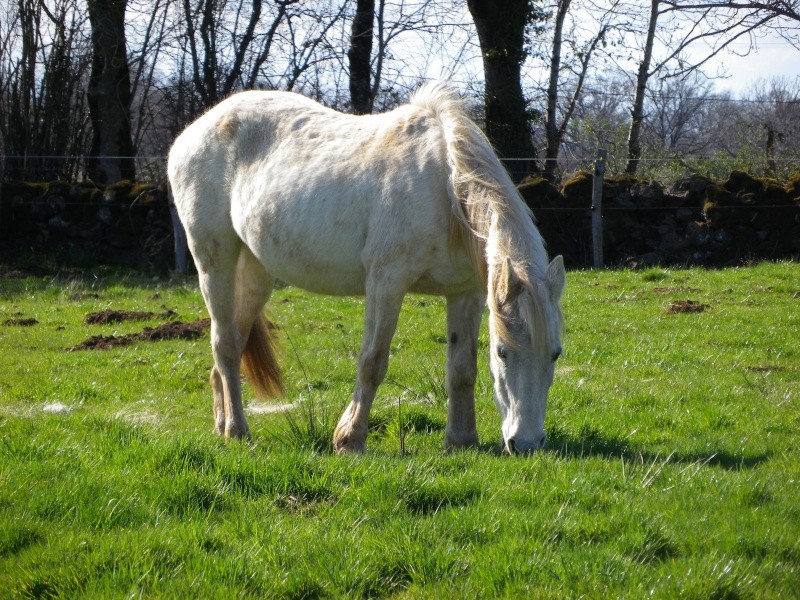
(525, 342)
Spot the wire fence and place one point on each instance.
(153, 167)
(598, 184)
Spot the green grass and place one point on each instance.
(672, 467)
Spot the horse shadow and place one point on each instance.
(596, 444)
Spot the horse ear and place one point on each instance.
(556, 278)
(509, 285)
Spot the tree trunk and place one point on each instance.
(637, 113)
(359, 55)
(109, 95)
(552, 129)
(501, 32)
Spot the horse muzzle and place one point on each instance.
(514, 445)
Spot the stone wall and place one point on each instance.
(125, 224)
(695, 221)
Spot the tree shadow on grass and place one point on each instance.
(596, 444)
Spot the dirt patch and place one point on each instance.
(168, 331)
(105, 317)
(175, 330)
(766, 369)
(20, 322)
(686, 306)
(104, 342)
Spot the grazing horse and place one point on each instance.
(272, 185)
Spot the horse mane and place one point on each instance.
(490, 219)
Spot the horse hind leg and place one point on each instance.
(252, 290)
(217, 265)
(253, 286)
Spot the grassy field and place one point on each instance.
(672, 467)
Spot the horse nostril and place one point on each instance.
(511, 446)
(543, 441)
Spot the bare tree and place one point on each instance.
(109, 93)
(148, 24)
(501, 27)
(642, 76)
(773, 122)
(359, 55)
(226, 45)
(681, 25)
(43, 69)
(677, 114)
(602, 117)
(788, 9)
(551, 126)
(577, 67)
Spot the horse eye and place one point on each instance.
(501, 353)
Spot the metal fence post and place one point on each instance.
(2, 178)
(181, 246)
(597, 208)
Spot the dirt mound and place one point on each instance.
(20, 322)
(105, 317)
(167, 331)
(104, 342)
(686, 306)
(175, 330)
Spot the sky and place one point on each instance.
(773, 58)
(777, 59)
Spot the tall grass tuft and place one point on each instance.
(309, 425)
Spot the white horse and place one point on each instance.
(272, 185)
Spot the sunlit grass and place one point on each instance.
(671, 469)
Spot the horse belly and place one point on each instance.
(342, 275)
(307, 245)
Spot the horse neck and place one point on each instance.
(513, 235)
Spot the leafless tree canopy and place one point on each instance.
(551, 80)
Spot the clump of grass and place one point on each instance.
(16, 536)
(655, 545)
(308, 426)
(652, 275)
(424, 491)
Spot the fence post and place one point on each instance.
(2, 178)
(597, 208)
(181, 246)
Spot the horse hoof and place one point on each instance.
(347, 444)
(237, 433)
(349, 448)
(452, 442)
(348, 441)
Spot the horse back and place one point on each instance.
(318, 196)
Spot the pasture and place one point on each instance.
(672, 467)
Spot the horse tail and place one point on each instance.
(259, 360)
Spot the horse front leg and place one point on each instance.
(384, 299)
(463, 324)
